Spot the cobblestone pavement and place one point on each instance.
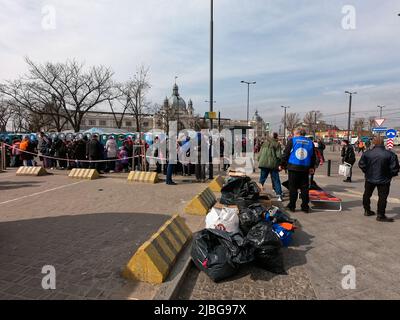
(87, 230)
(327, 242)
(254, 283)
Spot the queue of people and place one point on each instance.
(81, 152)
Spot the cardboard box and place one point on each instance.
(219, 205)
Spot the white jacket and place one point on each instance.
(111, 148)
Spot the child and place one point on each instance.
(123, 161)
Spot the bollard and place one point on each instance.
(329, 167)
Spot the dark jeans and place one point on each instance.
(200, 170)
(95, 165)
(298, 180)
(276, 182)
(170, 171)
(383, 193)
(110, 166)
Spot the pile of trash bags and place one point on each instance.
(239, 190)
(246, 233)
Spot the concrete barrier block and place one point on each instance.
(153, 261)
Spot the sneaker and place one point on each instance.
(171, 183)
(369, 213)
(384, 219)
(279, 199)
(290, 209)
(305, 210)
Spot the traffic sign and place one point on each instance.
(381, 129)
(391, 134)
(380, 122)
(390, 144)
(211, 115)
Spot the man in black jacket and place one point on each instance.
(379, 166)
(349, 156)
(94, 152)
(299, 159)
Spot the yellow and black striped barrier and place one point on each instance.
(31, 171)
(201, 204)
(142, 176)
(217, 184)
(88, 174)
(153, 261)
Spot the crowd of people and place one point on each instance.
(79, 152)
(301, 157)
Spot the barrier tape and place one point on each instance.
(76, 160)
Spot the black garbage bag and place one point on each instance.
(250, 216)
(239, 189)
(267, 245)
(219, 253)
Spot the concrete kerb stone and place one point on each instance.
(201, 203)
(169, 290)
(142, 176)
(154, 260)
(31, 171)
(216, 184)
(88, 174)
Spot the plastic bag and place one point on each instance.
(239, 189)
(283, 233)
(225, 219)
(276, 215)
(345, 169)
(250, 216)
(219, 253)
(267, 247)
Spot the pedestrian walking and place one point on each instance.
(379, 166)
(269, 159)
(299, 159)
(348, 156)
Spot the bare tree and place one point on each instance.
(359, 125)
(32, 98)
(135, 91)
(75, 89)
(371, 123)
(311, 119)
(292, 121)
(6, 113)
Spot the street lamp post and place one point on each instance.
(284, 125)
(349, 121)
(248, 97)
(381, 113)
(210, 173)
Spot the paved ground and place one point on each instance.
(327, 242)
(87, 230)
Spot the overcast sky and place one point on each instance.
(297, 51)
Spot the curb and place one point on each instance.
(170, 289)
